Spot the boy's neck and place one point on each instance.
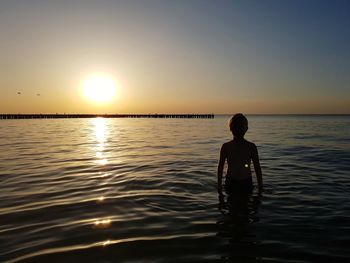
(238, 138)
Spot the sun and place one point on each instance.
(99, 88)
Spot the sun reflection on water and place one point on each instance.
(102, 161)
(100, 129)
(100, 132)
(106, 243)
(104, 223)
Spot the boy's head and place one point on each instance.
(238, 125)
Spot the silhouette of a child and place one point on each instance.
(239, 153)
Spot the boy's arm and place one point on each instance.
(257, 168)
(221, 168)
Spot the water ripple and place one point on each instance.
(129, 190)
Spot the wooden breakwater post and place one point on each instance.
(67, 116)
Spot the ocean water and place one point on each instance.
(144, 190)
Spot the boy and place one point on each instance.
(239, 153)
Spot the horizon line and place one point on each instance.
(169, 113)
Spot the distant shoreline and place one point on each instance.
(70, 116)
(153, 115)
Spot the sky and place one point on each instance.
(183, 56)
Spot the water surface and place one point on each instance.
(144, 190)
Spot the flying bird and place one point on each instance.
(38, 94)
(19, 93)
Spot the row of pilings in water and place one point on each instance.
(67, 116)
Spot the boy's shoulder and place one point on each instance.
(225, 144)
(251, 146)
(248, 143)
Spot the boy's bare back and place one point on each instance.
(239, 154)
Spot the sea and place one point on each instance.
(145, 190)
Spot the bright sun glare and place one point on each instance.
(99, 88)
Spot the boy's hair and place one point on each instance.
(238, 125)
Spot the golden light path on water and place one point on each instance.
(101, 133)
(100, 128)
